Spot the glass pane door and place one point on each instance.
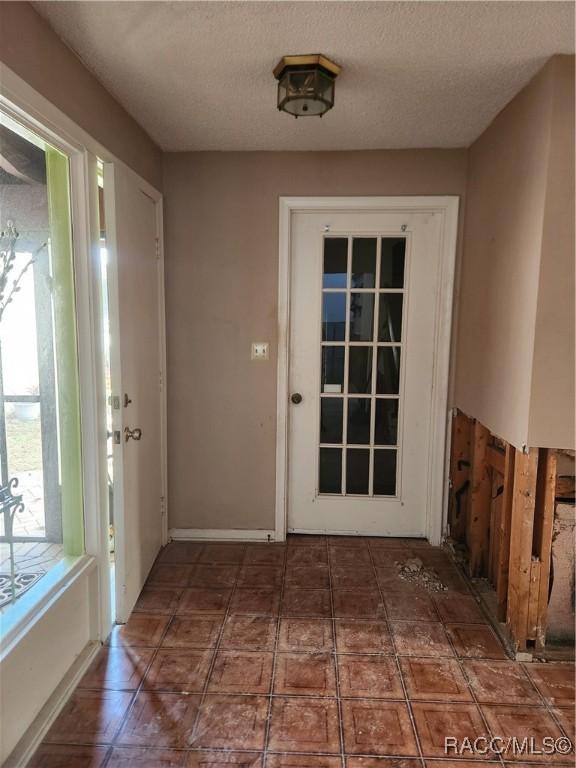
(363, 303)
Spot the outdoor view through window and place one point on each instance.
(40, 478)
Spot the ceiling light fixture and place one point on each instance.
(306, 84)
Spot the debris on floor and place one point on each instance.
(413, 570)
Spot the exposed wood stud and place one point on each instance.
(478, 528)
(521, 534)
(505, 523)
(545, 495)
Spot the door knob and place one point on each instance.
(135, 434)
(296, 398)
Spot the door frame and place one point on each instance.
(116, 363)
(445, 206)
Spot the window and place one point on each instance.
(41, 507)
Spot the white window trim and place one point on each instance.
(438, 467)
(24, 104)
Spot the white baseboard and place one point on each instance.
(220, 534)
(33, 737)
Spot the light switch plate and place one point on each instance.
(259, 350)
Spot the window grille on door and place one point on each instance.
(361, 354)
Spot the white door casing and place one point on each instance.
(416, 507)
(133, 230)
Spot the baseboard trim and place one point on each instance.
(220, 534)
(33, 737)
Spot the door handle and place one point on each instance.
(135, 434)
(296, 398)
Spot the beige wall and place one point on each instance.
(551, 422)
(30, 48)
(221, 294)
(513, 364)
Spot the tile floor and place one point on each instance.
(310, 655)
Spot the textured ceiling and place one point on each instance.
(198, 75)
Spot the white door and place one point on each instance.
(137, 327)
(364, 322)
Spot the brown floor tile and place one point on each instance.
(117, 668)
(434, 680)
(193, 632)
(306, 602)
(179, 670)
(304, 725)
(462, 609)
(265, 554)
(377, 728)
(383, 762)
(252, 633)
(525, 722)
(554, 681)
(169, 575)
(231, 722)
(158, 599)
(369, 677)
(260, 576)
(144, 757)
(160, 720)
(223, 553)
(500, 682)
(567, 719)
(307, 555)
(203, 600)
(302, 761)
(241, 672)
(224, 760)
(461, 763)
(420, 638)
(389, 581)
(349, 556)
(257, 601)
(306, 635)
(475, 641)
(306, 540)
(90, 717)
(181, 552)
(213, 576)
(362, 636)
(308, 576)
(358, 604)
(305, 674)
(144, 630)
(58, 756)
(360, 542)
(436, 722)
(450, 577)
(387, 557)
(419, 607)
(348, 577)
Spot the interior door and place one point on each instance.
(136, 369)
(364, 294)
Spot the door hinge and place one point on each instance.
(157, 239)
(162, 506)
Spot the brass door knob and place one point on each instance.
(296, 398)
(135, 434)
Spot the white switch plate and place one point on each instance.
(259, 350)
